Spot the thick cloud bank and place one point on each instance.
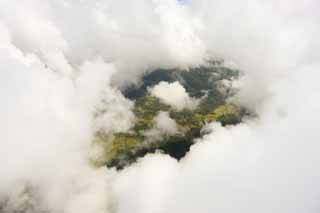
(63, 62)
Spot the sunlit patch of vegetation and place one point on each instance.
(226, 114)
(146, 108)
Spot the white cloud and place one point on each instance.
(165, 123)
(174, 94)
(266, 165)
(164, 126)
(47, 128)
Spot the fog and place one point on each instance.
(64, 62)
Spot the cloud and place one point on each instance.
(47, 125)
(164, 126)
(174, 94)
(61, 60)
(262, 165)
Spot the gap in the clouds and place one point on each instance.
(207, 86)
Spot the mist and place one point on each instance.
(65, 62)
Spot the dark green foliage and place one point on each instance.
(176, 146)
(134, 92)
(196, 81)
